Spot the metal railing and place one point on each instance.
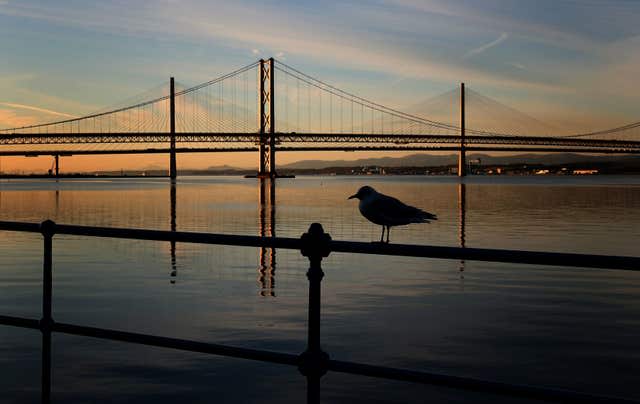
(313, 363)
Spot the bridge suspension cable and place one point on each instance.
(307, 111)
(328, 109)
(152, 115)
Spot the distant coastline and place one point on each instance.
(417, 164)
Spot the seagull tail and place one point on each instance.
(426, 216)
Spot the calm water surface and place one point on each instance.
(567, 328)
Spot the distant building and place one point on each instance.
(370, 170)
(585, 172)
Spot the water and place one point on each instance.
(559, 327)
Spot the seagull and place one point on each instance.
(387, 211)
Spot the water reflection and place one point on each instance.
(462, 213)
(172, 197)
(371, 309)
(267, 228)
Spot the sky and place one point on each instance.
(572, 63)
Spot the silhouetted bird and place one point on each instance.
(387, 211)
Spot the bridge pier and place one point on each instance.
(57, 164)
(462, 161)
(173, 171)
(267, 167)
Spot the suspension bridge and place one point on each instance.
(269, 106)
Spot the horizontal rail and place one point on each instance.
(471, 384)
(176, 343)
(628, 263)
(20, 322)
(491, 255)
(389, 373)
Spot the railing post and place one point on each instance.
(47, 228)
(313, 361)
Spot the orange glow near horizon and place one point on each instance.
(248, 160)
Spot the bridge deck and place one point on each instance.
(391, 141)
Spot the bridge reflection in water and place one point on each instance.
(462, 216)
(267, 228)
(172, 197)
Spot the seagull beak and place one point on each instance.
(352, 196)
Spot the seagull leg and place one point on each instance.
(382, 235)
(388, 231)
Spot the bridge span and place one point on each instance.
(217, 116)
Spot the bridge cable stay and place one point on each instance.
(626, 132)
(340, 104)
(220, 107)
(97, 122)
(148, 116)
(106, 121)
(521, 124)
(488, 116)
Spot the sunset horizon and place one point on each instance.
(546, 65)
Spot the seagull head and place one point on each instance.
(363, 192)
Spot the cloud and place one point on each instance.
(293, 32)
(10, 119)
(477, 14)
(346, 38)
(37, 109)
(613, 80)
(503, 37)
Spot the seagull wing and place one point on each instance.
(393, 212)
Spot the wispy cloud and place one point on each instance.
(37, 109)
(503, 37)
(478, 14)
(291, 33)
(408, 39)
(10, 119)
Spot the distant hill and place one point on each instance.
(224, 168)
(154, 167)
(429, 160)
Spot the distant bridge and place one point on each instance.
(217, 116)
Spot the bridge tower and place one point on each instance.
(267, 120)
(462, 163)
(173, 171)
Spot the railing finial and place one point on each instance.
(48, 228)
(315, 242)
